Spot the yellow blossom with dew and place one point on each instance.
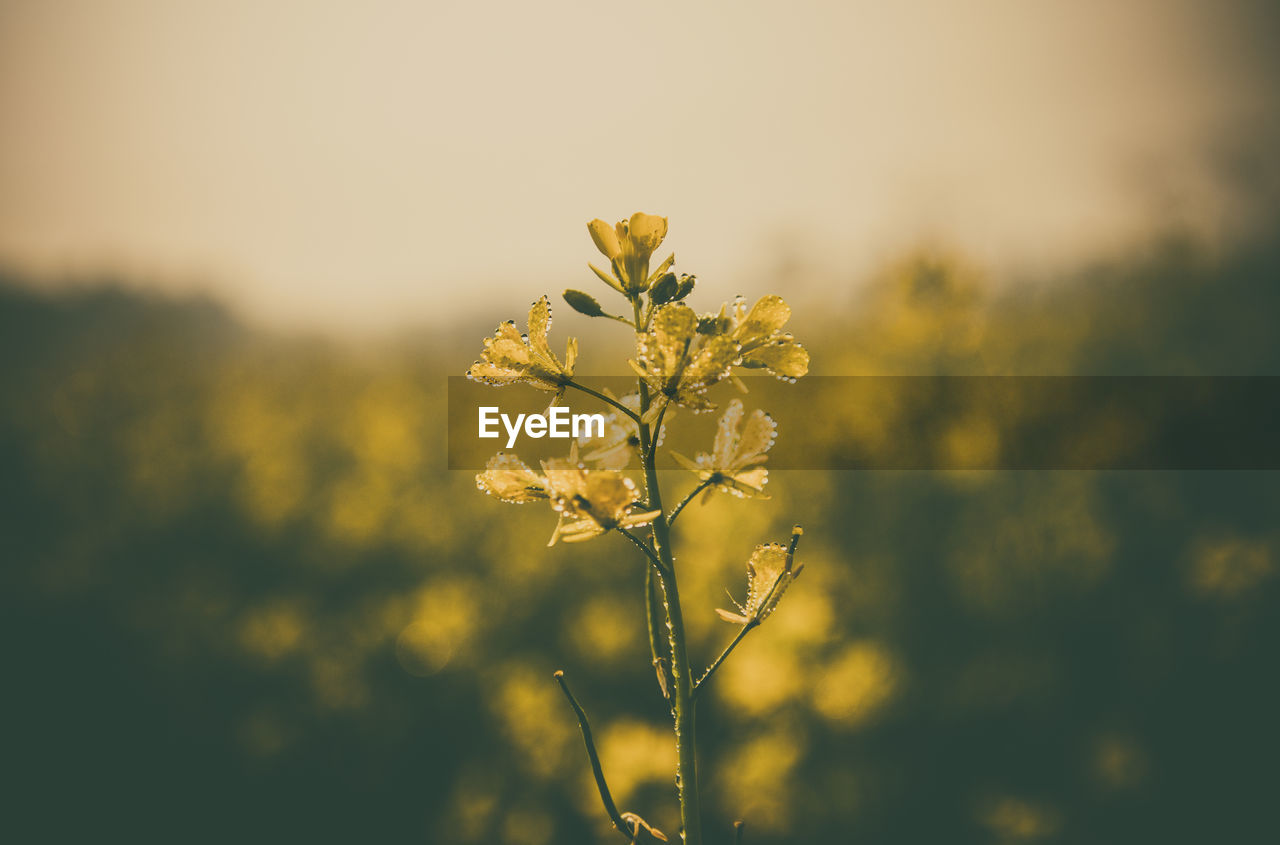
(629, 244)
(512, 358)
(762, 342)
(735, 464)
(679, 361)
(591, 501)
(770, 571)
(508, 478)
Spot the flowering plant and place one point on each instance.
(679, 357)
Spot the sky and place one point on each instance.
(366, 166)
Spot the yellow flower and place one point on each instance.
(591, 502)
(629, 245)
(763, 343)
(735, 464)
(606, 239)
(679, 362)
(770, 571)
(510, 479)
(512, 358)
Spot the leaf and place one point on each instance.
(606, 278)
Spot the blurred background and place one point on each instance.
(243, 245)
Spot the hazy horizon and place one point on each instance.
(361, 169)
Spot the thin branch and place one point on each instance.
(609, 807)
(643, 546)
(654, 615)
(742, 633)
(615, 403)
(657, 432)
(687, 499)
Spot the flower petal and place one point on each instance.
(758, 436)
(647, 232)
(487, 373)
(783, 358)
(766, 317)
(605, 238)
(726, 445)
(511, 480)
(539, 325)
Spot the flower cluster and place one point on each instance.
(629, 244)
(589, 502)
(679, 356)
(682, 355)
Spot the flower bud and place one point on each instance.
(684, 288)
(664, 290)
(583, 303)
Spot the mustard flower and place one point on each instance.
(512, 358)
(770, 571)
(735, 464)
(591, 502)
(762, 343)
(629, 244)
(506, 477)
(679, 362)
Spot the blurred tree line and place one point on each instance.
(243, 599)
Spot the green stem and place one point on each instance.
(605, 797)
(742, 633)
(657, 433)
(642, 546)
(687, 499)
(682, 705)
(615, 403)
(654, 615)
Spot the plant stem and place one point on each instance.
(615, 403)
(682, 706)
(657, 433)
(687, 499)
(654, 614)
(742, 633)
(605, 797)
(642, 546)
